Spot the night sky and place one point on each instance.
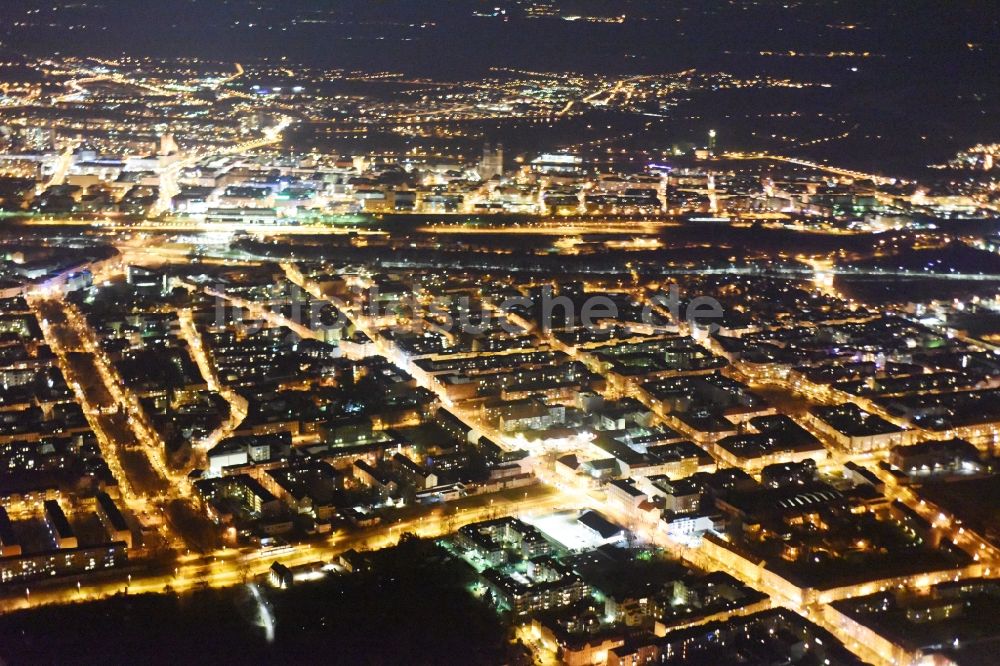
(445, 37)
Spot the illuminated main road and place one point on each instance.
(73, 327)
(837, 171)
(232, 566)
(92, 398)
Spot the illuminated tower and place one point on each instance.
(167, 145)
(492, 162)
(711, 142)
(663, 188)
(713, 198)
